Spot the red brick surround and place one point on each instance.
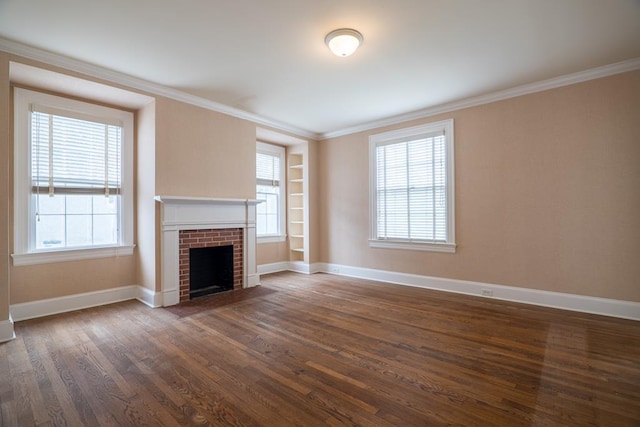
(205, 239)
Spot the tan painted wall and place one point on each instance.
(269, 253)
(184, 150)
(5, 163)
(315, 203)
(203, 153)
(547, 194)
(31, 283)
(51, 280)
(42, 281)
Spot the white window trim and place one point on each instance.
(23, 228)
(276, 150)
(403, 134)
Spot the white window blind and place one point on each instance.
(268, 169)
(72, 155)
(269, 187)
(412, 187)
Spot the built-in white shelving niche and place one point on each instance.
(298, 206)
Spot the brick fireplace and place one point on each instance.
(201, 222)
(208, 238)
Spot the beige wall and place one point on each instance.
(180, 150)
(43, 281)
(315, 203)
(36, 282)
(547, 194)
(203, 153)
(269, 253)
(51, 280)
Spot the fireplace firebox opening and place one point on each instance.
(210, 270)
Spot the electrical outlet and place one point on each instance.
(487, 293)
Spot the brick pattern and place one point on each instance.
(205, 239)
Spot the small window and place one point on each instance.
(73, 188)
(412, 188)
(270, 221)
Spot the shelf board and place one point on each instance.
(300, 236)
(296, 166)
(296, 180)
(296, 222)
(296, 194)
(297, 250)
(296, 208)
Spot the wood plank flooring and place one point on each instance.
(323, 350)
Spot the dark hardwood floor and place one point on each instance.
(323, 350)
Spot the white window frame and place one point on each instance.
(277, 151)
(24, 252)
(408, 134)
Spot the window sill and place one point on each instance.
(413, 246)
(271, 239)
(65, 255)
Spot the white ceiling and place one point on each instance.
(268, 58)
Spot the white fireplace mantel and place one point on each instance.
(194, 213)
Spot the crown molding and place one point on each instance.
(95, 71)
(556, 82)
(50, 58)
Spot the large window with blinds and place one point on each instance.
(73, 177)
(270, 188)
(412, 188)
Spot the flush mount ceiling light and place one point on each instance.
(344, 41)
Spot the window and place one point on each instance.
(412, 199)
(73, 179)
(270, 188)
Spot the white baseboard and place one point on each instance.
(149, 297)
(253, 280)
(273, 267)
(6, 330)
(297, 266)
(580, 303)
(170, 297)
(47, 307)
(317, 267)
